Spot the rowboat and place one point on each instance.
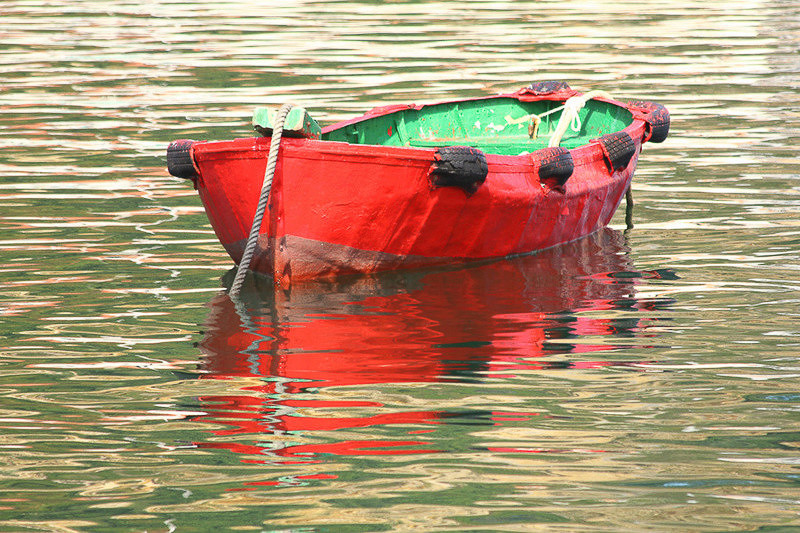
(420, 185)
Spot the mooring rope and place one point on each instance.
(629, 208)
(266, 188)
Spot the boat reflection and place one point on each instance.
(556, 309)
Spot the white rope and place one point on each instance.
(570, 117)
(266, 188)
(534, 119)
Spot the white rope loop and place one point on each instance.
(570, 117)
(263, 202)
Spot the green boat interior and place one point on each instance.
(503, 125)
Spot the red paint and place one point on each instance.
(339, 208)
(360, 447)
(318, 476)
(238, 414)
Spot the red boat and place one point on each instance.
(417, 185)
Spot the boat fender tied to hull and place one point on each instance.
(555, 166)
(458, 166)
(656, 118)
(179, 159)
(618, 149)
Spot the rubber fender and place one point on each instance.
(555, 166)
(179, 159)
(459, 166)
(540, 88)
(618, 149)
(657, 120)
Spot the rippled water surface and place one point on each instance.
(640, 380)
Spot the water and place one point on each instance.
(642, 381)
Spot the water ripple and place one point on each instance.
(649, 374)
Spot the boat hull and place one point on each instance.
(342, 209)
(338, 208)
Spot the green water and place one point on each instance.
(644, 380)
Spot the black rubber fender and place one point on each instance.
(618, 149)
(555, 166)
(459, 166)
(179, 159)
(541, 88)
(657, 120)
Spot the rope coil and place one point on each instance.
(263, 201)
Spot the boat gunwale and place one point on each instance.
(319, 149)
(314, 149)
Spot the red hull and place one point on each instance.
(339, 208)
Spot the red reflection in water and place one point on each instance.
(447, 325)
